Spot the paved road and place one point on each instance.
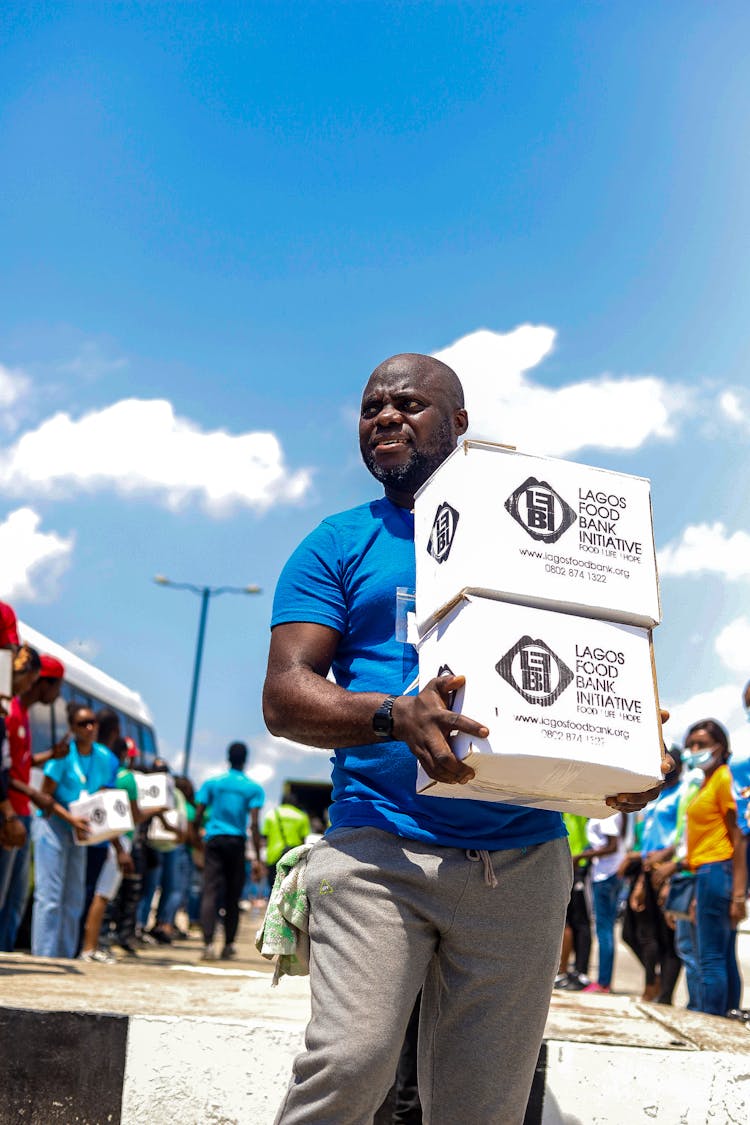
(171, 980)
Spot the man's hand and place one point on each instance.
(424, 723)
(61, 748)
(660, 874)
(634, 802)
(80, 827)
(12, 832)
(259, 871)
(125, 862)
(737, 911)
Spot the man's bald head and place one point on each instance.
(411, 418)
(424, 368)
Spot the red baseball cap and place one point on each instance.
(52, 668)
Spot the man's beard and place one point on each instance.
(422, 463)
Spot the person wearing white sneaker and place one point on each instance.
(98, 956)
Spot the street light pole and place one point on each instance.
(205, 598)
(205, 593)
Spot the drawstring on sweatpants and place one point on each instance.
(475, 854)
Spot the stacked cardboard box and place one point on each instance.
(536, 580)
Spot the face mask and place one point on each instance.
(697, 759)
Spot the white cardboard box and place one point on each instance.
(157, 834)
(155, 790)
(504, 524)
(570, 703)
(108, 814)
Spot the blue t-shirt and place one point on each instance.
(660, 820)
(76, 773)
(229, 799)
(740, 771)
(344, 575)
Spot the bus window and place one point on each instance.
(148, 742)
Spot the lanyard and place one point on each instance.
(78, 765)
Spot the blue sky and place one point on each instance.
(216, 219)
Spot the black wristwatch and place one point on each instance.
(382, 720)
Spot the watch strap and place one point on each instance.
(382, 720)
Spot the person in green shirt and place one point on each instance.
(284, 828)
(125, 905)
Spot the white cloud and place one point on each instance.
(14, 386)
(707, 548)
(92, 362)
(730, 405)
(141, 448)
(723, 703)
(608, 412)
(31, 561)
(732, 646)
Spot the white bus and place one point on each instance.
(88, 685)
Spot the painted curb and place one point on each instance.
(76, 1068)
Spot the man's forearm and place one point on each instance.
(308, 708)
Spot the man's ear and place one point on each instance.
(461, 421)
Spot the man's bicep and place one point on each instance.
(302, 646)
(298, 662)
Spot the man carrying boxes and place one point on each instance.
(464, 899)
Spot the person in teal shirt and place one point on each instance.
(59, 862)
(230, 799)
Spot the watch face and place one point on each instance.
(382, 720)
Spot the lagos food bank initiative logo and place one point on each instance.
(540, 510)
(535, 671)
(443, 532)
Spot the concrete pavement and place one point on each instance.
(214, 1043)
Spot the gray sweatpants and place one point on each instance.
(389, 916)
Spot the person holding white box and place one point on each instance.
(60, 865)
(463, 899)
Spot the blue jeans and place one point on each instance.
(686, 944)
(151, 880)
(175, 884)
(60, 888)
(14, 888)
(716, 938)
(606, 892)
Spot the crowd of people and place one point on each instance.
(427, 910)
(676, 874)
(191, 857)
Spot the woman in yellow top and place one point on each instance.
(716, 853)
